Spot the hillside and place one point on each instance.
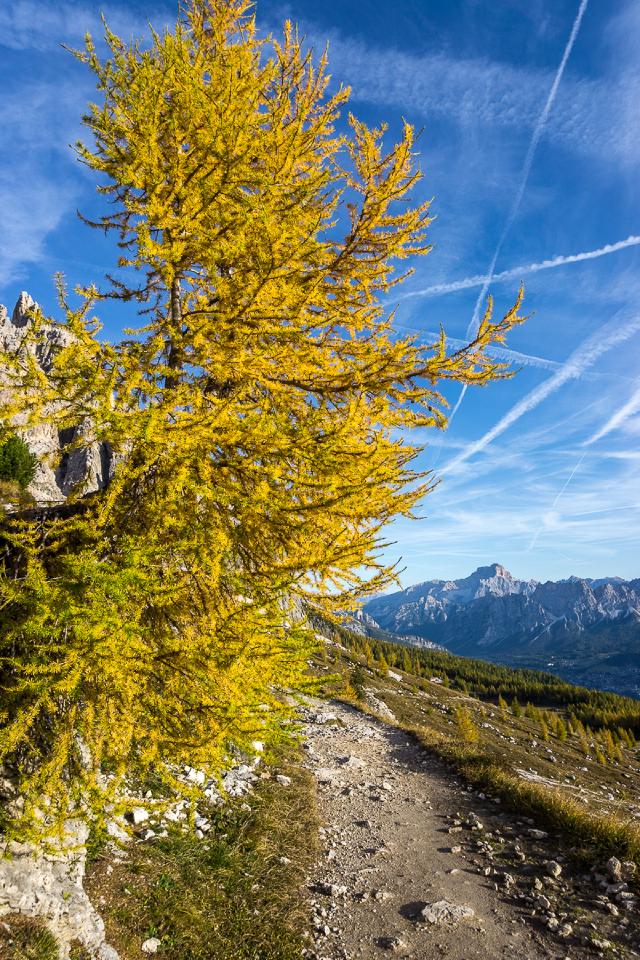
(535, 797)
(587, 631)
(439, 806)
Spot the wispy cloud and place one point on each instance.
(496, 517)
(41, 25)
(38, 185)
(31, 208)
(614, 333)
(467, 283)
(627, 410)
(558, 497)
(593, 115)
(526, 169)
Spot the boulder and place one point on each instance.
(444, 912)
(49, 886)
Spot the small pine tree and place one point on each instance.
(516, 709)
(17, 463)
(381, 663)
(627, 737)
(502, 703)
(468, 730)
(600, 757)
(357, 682)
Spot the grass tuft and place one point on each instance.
(22, 938)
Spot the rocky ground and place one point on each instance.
(417, 866)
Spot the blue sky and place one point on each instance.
(530, 148)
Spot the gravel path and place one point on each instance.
(389, 851)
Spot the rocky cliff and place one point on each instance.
(64, 462)
(586, 630)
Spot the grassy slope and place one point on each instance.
(238, 895)
(595, 806)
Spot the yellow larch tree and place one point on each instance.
(259, 417)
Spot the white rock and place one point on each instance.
(614, 868)
(139, 815)
(351, 761)
(50, 887)
(151, 945)
(195, 776)
(375, 704)
(444, 912)
(86, 465)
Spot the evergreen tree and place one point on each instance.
(466, 726)
(17, 463)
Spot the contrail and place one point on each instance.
(589, 351)
(627, 410)
(500, 353)
(526, 170)
(509, 356)
(441, 288)
(557, 499)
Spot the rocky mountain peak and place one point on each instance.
(494, 570)
(12, 327)
(492, 614)
(20, 315)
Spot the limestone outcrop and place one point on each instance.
(65, 464)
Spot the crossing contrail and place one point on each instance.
(589, 351)
(500, 353)
(438, 289)
(557, 499)
(627, 410)
(526, 170)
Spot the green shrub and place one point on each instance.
(17, 463)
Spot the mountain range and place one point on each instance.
(585, 630)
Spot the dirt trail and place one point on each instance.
(387, 851)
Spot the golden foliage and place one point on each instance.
(259, 417)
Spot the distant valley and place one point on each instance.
(586, 631)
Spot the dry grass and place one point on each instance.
(238, 895)
(594, 836)
(24, 939)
